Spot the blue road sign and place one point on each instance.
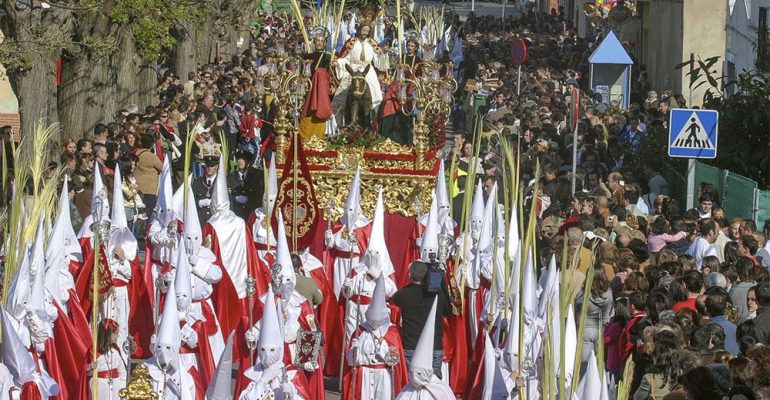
(693, 133)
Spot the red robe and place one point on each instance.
(140, 323)
(55, 370)
(314, 378)
(317, 103)
(474, 388)
(329, 310)
(70, 350)
(140, 319)
(400, 374)
(30, 391)
(229, 308)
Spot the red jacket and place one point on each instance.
(628, 346)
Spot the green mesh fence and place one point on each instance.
(764, 207)
(738, 196)
(677, 184)
(712, 175)
(737, 193)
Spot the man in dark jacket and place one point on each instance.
(246, 186)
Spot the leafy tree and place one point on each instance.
(744, 119)
(108, 51)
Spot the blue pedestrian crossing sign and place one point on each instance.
(693, 133)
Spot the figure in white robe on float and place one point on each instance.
(360, 53)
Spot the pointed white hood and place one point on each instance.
(178, 200)
(62, 230)
(20, 287)
(429, 241)
(550, 286)
(272, 186)
(183, 281)
(353, 202)
(514, 240)
(591, 384)
(221, 388)
(168, 338)
(20, 363)
(442, 196)
(477, 211)
(377, 256)
(100, 207)
(486, 239)
(494, 384)
(270, 343)
(37, 294)
(15, 355)
(164, 208)
(120, 235)
(63, 246)
(118, 217)
(220, 199)
(282, 253)
(192, 234)
(421, 367)
(377, 314)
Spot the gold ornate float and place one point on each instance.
(140, 386)
(406, 179)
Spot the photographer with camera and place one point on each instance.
(415, 300)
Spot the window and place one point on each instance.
(763, 45)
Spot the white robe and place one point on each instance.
(436, 390)
(362, 54)
(174, 386)
(260, 236)
(267, 383)
(116, 305)
(231, 234)
(359, 285)
(371, 350)
(204, 274)
(342, 266)
(160, 253)
(109, 388)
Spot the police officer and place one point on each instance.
(246, 185)
(203, 187)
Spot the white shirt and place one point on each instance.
(700, 249)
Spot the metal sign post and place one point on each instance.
(692, 134)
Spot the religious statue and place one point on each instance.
(317, 117)
(396, 122)
(359, 88)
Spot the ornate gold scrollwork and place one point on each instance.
(140, 386)
(399, 191)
